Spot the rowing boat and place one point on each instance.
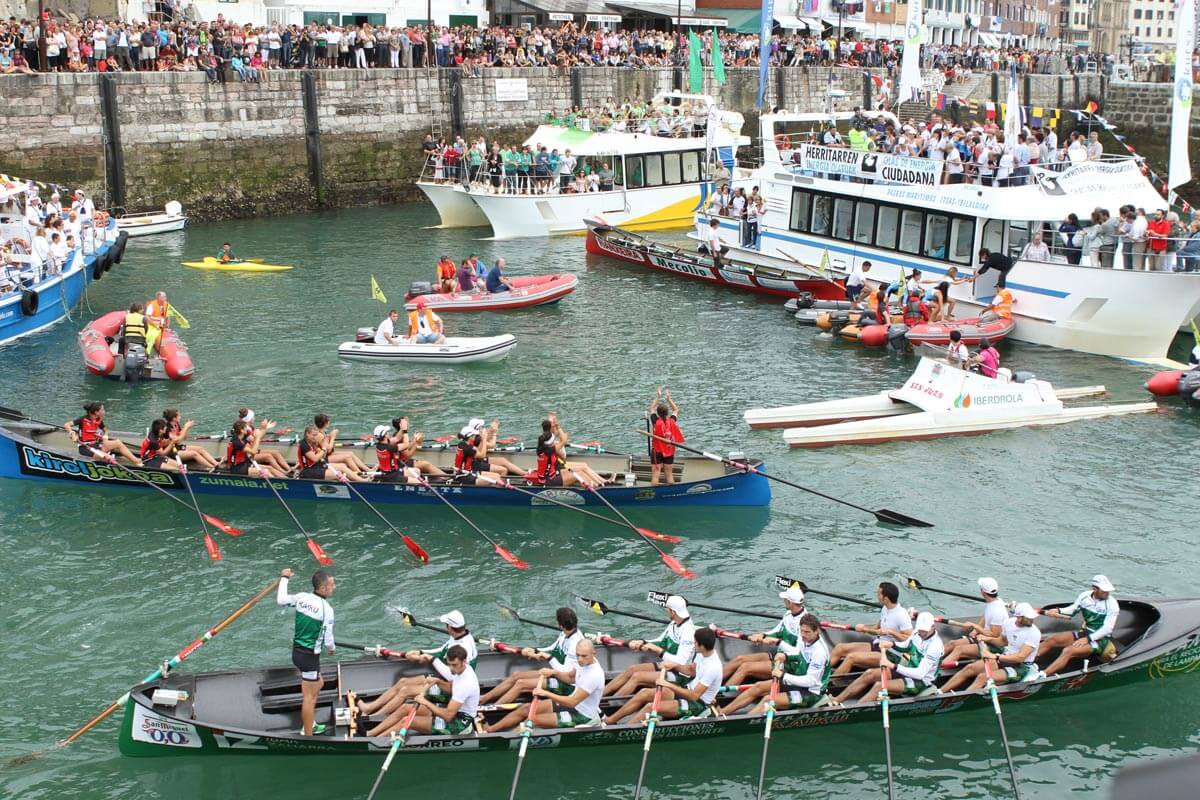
(455, 350)
(257, 711)
(216, 265)
(30, 451)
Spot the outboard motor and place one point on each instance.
(135, 362)
(897, 337)
(1023, 376)
(804, 300)
(364, 335)
(419, 287)
(1189, 385)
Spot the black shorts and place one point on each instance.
(242, 468)
(555, 480)
(658, 458)
(395, 476)
(308, 662)
(852, 292)
(482, 465)
(86, 450)
(315, 472)
(154, 462)
(465, 478)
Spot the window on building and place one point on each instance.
(1137, 13)
(885, 231)
(799, 216)
(1160, 33)
(864, 222)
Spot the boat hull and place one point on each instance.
(528, 290)
(150, 224)
(452, 351)
(454, 205)
(170, 361)
(214, 265)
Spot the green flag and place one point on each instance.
(717, 59)
(695, 69)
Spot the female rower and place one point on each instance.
(242, 450)
(482, 440)
(344, 459)
(312, 458)
(158, 449)
(91, 434)
(178, 435)
(268, 458)
(553, 469)
(410, 445)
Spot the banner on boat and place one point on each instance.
(877, 167)
(936, 386)
(1090, 177)
(153, 729)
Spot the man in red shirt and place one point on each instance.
(666, 425)
(1157, 232)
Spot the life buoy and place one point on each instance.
(781, 142)
(29, 302)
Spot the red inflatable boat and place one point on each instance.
(528, 290)
(1183, 383)
(98, 341)
(973, 329)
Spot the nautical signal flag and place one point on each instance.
(1091, 107)
(376, 292)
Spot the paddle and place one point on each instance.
(376, 650)
(784, 582)
(546, 497)
(397, 742)
(317, 551)
(213, 552)
(602, 608)
(660, 599)
(153, 676)
(511, 613)
(500, 551)
(651, 721)
(807, 269)
(883, 514)
(412, 546)
(762, 768)
(913, 583)
(527, 731)
(991, 685)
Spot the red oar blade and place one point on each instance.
(675, 566)
(211, 546)
(448, 437)
(659, 537)
(509, 440)
(510, 558)
(222, 525)
(416, 549)
(318, 553)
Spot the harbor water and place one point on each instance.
(100, 587)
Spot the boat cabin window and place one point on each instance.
(937, 230)
(910, 231)
(1018, 237)
(864, 222)
(993, 236)
(618, 164)
(889, 223)
(691, 166)
(843, 218)
(822, 214)
(962, 240)
(654, 170)
(636, 171)
(672, 170)
(800, 208)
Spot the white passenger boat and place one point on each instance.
(658, 181)
(938, 400)
(894, 212)
(455, 350)
(171, 218)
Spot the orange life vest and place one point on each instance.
(413, 326)
(157, 314)
(1003, 303)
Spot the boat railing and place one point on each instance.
(478, 178)
(1121, 254)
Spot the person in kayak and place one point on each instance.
(803, 676)
(561, 656)
(385, 332)
(445, 275)
(424, 326)
(697, 700)
(666, 425)
(784, 636)
(313, 628)
(957, 354)
(676, 645)
(553, 469)
(1014, 651)
(179, 433)
(242, 453)
(458, 682)
(344, 460)
(987, 361)
(895, 623)
(226, 255)
(275, 463)
(990, 624)
(312, 458)
(495, 281)
(1093, 641)
(157, 450)
(579, 709)
(914, 661)
(91, 434)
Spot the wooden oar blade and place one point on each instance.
(222, 525)
(895, 518)
(210, 545)
(416, 549)
(659, 537)
(318, 553)
(678, 568)
(510, 558)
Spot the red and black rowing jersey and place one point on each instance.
(91, 431)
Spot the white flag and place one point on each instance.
(1180, 170)
(910, 67)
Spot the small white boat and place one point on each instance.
(455, 350)
(938, 400)
(170, 219)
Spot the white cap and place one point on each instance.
(381, 430)
(454, 619)
(924, 622)
(474, 426)
(1102, 583)
(678, 605)
(794, 594)
(989, 586)
(249, 415)
(1025, 610)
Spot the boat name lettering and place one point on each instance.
(239, 483)
(1179, 661)
(917, 386)
(681, 266)
(617, 249)
(546, 497)
(150, 727)
(997, 399)
(810, 720)
(905, 175)
(8, 314)
(461, 744)
(935, 200)
(35, 461)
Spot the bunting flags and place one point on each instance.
(376, 292)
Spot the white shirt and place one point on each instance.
(684, 635)
(1036, 252)
(714, 241)
(591, 680)
(422, 326)
(385, 332)
(995, 613)
(930, 651)
(1018, 636)
(566, 645)
(464, 687)
(958, 354)
(1100, 615)
(1137, 229)
(817, 656)
(709, 672)
(856, 277)
(895, 619)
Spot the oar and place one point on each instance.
(883, 514)
(412, 546)
(525, 734)
(762, 768)
(807, 269)
(500, 551)
(649, 534)
(213, 552)
(397, 742)
(886, 674)
(407, 618)
(991, 685)
(600, 607)
(651, 721)
(317, 551)
(660, 599)
(158, 673)
(379, 651)
(784, 582)
(511, 613)
(913, 583)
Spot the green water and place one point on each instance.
(98, 589)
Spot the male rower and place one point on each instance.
(894, 623)
(561, 656)
(786, 634)
(313, 627)
(802, 677)
(579, 709)
(459, 682)
(1093, 641)
(915, 662)
(676, 646)
(1017, 660)
(990, 625)
(697, 700)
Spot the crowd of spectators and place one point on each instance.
(39, 236)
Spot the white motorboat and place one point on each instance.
(455, 350)
(938, 400)
(171, 218)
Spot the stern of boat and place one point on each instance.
(454, 205)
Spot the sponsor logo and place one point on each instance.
(35, 461)
(1011, 398)
(331, 490)
(231, 742)
(681, 267)
(154, 729)
(458, 744)
(963, 400)
(917, 386)
(535, 741)
(568, 496)
(1071, 684)
(618, 250)
(699, 488)
(237, 483)
(1185, 659)
(811, 720)
(1183, 92)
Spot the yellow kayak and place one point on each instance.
(234, 266)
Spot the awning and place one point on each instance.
(741, 20)
(855, 25)
(559, 6)
(645, 9)
(989, 39)
(792, 22)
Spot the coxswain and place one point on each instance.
(579, 709)
(553, 469)
(666, 426)
(385, 333)
(242, 452)
(697, 700)
(990, 624)
(915, 661)
(957, 354)
(313, 628)
(157, 450)
(894, 623)
(561, 658)
(803, 676)
(445, 275)
(1015, 652)
(1094, 640)
(158, 320)
(785, 636)
(133, 329)
(987, 361)
(312, 458)
(456, 679)
(225, 255)
(268, 458)
(179, 433)
(424, 326)
(676, 646)
(91, 434)
(344, 460)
